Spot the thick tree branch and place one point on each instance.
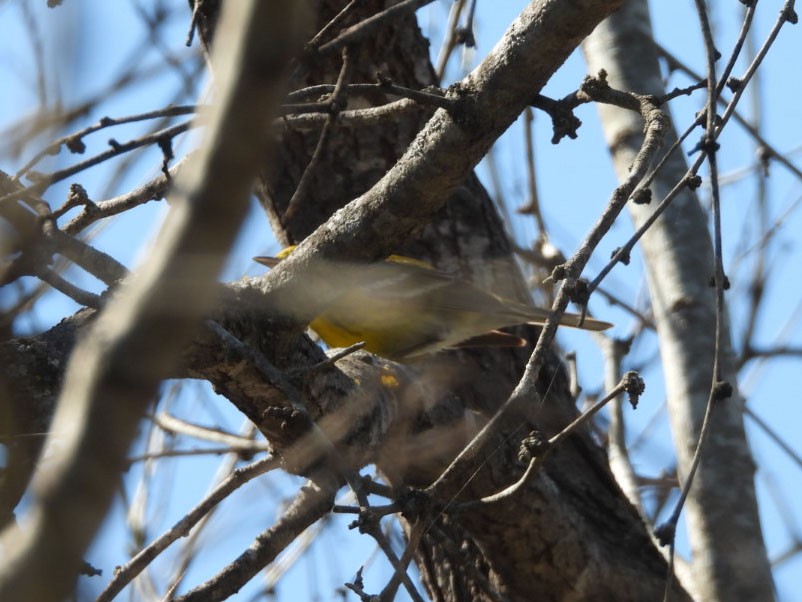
(574, 509)
(453, 142)
(116, 370)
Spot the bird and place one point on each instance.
(403, 309)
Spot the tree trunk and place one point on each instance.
(571, 534)
(729, 558)
(567, 534)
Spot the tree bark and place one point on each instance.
(116, 368)
(569, 533)
(564, 535)
(729, 557)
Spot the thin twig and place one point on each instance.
(312, 503)
(718, 388)
(338, 19)
(45, 181)
(630, 383)
(415, 536)
(127, 572)
(336, 103)
(744, 123)
(101, 265)
(369, 522)
(532, 206)
(334, 358)
(180, 453)
(363, 28)
(526, 389)
(65, 287)
(450, 40)
(74, 142)
(174, 425)
(151, 191)
(352, 117)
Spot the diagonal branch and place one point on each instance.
(74, 489)
(312, 503)
(453, 142)
(126, 573)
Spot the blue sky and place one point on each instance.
(85, 56)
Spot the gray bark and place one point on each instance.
(569, 534)
(729, 559)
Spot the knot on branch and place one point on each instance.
(595, 86)
(722, 390)
(368, 521)
(532, 446)
(460, 102)
(622, 255)
(764, 155)
(358, 587)
(701, 118)
(336, 104)
(735, 84)
(633, 386)
(578, 291)
(665, 533)
(292, 423)
(465, 36)
(642, 196)
(76, 197)
(708, 145)
(89, 570)
(559, 273)
(75, 144)
(414, 503)
(563, 121)
(383, 80)
(623, 346)
(165, 144)
(725, 282)
(693, 182)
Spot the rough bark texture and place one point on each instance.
(729, 558)
(519, 546)
(116, 369)
(570, 534)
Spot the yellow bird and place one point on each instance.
(402, 309)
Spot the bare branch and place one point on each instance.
(151, 191)
(369, 25)
(722, 507)
(171, 424)
(74, 490)
(126, 573)
(312, 503)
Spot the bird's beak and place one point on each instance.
(270, 262)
